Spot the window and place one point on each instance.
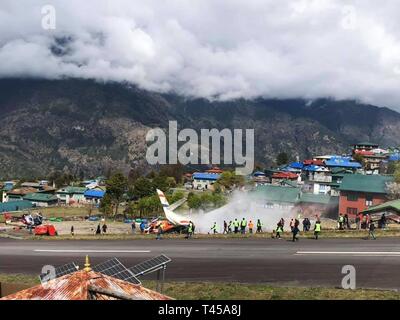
(368, 200)
(352, 197)
(352, 211)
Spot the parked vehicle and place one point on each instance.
(45, 230)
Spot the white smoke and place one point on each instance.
(241, 205)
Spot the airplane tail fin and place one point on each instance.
(163, 199)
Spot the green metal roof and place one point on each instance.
(283, 194)
(365, 183)
(40, 197)
(317, 198)
(72, 190)
(14, 206)
(394, 204)
(274, 193)
(340, 171)
(290, 183)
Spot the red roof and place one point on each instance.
(363, 152)
(313, 162)
(214, 170)
(284, 175)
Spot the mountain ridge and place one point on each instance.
(86, 128)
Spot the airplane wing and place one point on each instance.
(177, 204)
(169, 213)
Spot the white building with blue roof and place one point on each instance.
(204, 180)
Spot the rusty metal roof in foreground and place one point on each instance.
(87, 285)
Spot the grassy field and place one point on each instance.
(63, 212)
(239, 291)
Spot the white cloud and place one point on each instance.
(213, 48)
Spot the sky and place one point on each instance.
(216, 49)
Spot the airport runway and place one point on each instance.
(279, 262)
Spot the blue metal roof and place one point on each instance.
(258, 173)
(296, 165)
(94, 193)
(343, 162)
(314, 168)
(394, 157)
(206, 176)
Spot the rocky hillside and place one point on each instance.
(86, 128)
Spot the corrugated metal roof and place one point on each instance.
(365, 183)
(206, 176)
(75, 286)
(94, 193)
(41, 197)
(15, 206)
(318, 198)
(394, 204)
(72, 190)
(272, 193)
(22, 191)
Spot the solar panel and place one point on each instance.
(114, 268)
(59, 272)
(149, 266)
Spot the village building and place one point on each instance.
(317, 205)
(276, 197)
(259, 178)
(278, 177)
(292, 199)
(8, 185)
(13, 206)
(40, 199)
(71, 195)
(204, 180)
(94, 196)
(372, 156)
(343, 162)
(18, 193)
(318, 179)
(315, 162)
(390, 209)
(359, 192)
(215, 170)
(296, 166)
(35, 185)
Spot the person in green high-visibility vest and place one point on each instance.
(214, 228)
(341, 221)
(243, 225)
(317, 229)
(279, 230)
(236, 225)
(190, 230)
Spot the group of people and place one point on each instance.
(237, 226)
(101, 229)
(294, 228)
(343, 222)
(363, 222)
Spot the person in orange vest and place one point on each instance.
(251, 226)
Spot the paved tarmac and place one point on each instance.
(278, 262)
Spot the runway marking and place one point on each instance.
(90, 251)
(352, 253)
